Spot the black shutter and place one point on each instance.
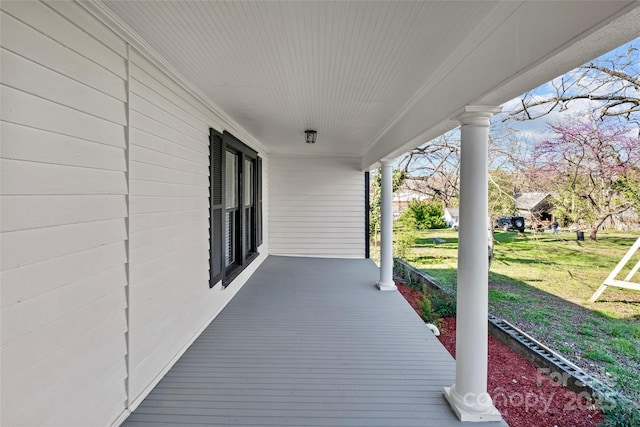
(216, 210)
(259, 204)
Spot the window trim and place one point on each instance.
(220, 144)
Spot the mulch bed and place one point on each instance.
(523, 394)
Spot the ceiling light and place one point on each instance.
(310, 136)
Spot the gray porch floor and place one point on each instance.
(308, 342)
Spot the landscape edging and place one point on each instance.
(569, 375)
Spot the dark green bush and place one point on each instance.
(435, 306)
(423, 216)
(443, 305)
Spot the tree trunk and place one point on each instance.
(596, 226)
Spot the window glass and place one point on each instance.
(231, 180)
(229, 247)
(248, 182)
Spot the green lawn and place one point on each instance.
(542, 283)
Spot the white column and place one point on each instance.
(386, 282)
(468, 396)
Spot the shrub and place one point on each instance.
(443, 305)
(423, 216)
(426, 312)
(403, 243)
(436, 306)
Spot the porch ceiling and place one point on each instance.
(373, 78)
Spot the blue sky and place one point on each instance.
(535, 129)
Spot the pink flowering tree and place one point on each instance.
(596, 164)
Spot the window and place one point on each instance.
(232, 208)
(236, 206)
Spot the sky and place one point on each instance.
(537, 129)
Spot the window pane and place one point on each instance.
(231, 180)
(247, 234)
(248, 231)
(229, 252)
(248, 182)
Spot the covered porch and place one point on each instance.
(308, 341)
(155, 153)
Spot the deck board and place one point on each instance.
(308, 342)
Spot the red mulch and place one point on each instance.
(513, 384)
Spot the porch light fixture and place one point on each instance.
(310, 136)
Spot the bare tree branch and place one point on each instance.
(611, 85)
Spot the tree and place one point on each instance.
(597, 162)
(397, 179)
(501, 192)
(433, 169)
(610, 85)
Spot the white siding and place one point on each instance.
(316, 207)
(63, 212)
(170, 300)
(105, 239)
(169, 222)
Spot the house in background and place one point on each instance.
(154, 155)
(402, 198)
(535, 207)
(452, 216)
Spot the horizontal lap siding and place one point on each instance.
(105, 240)
(170, 297)
(63, 210)
(316, 207)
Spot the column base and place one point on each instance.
(387, 286)
(474, 409)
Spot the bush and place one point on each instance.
(436, 306)
(443, 305)
(426, 312)
(403, 243)
(423, 216)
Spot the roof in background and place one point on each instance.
(408, 195)
(455, 211)
(528, 201)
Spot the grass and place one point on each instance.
(543, 283)
(540, 316)
(503, 296)
(598, 354)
